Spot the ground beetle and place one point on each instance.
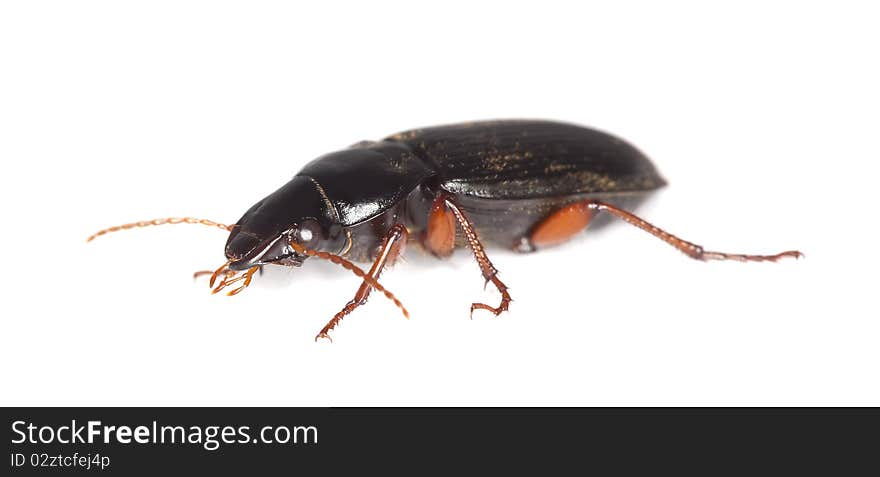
(522, 184)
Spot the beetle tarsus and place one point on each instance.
(323, 335)
(751, 258)
(505, 299)
(325, 331)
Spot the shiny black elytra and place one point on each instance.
(521, 184)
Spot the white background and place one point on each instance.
(763, 118)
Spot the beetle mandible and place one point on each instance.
(521, 184)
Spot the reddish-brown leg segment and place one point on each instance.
(565, 222)
(224, 271)
(439, 237)
(490, 273)
(388, 253)
(558, 227)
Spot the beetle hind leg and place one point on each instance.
(562, 224)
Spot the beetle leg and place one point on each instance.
(571, 219)
(490, 273)
(439, 236)
(391, 248)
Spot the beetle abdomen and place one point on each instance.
(527, 159)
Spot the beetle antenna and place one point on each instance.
(354, 269)
(165, 221)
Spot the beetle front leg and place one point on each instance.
(391, 248)
(564, 223)
(444, 205)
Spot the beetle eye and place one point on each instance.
(309, 233)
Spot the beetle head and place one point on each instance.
(297, 212)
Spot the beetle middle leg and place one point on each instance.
(565, 222)
(440, 239)
(388, 253)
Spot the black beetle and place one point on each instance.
(522, 184)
